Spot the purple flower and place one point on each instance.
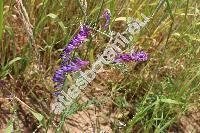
(75, 42)
(56, 93)
(81, 63)
(140, 56)
(126, 57)
(60, 74)
(65, 57)
(67, 65)
(107, 15)
(59, 78)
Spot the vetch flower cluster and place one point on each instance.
(108, 57)
(75, 42)
(68, 65)
(60, 74)
(138, 57)
(107, 16)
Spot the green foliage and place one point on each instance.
(4, 71)
(1, 19)
(9, 128)
(151, 96)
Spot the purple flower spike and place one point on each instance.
(81, 63)
(60, 74)
(140, 56)
(67, 65)
(75, 42)
(59, 78)
(126, 57)
(107, 15)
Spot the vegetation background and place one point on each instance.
(160, 95)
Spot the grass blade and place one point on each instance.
(170, 10)
(138, 117)
(1, 19)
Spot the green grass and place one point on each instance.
(151, 97)
(1, 19)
